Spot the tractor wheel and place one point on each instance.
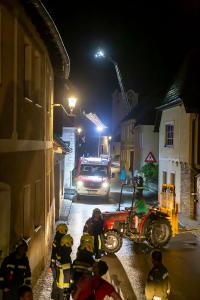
(112, 242)
(159, 233)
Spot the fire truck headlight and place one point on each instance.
(79, 183)
(105, 185)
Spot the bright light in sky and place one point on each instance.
(99, 128)
(100, 53)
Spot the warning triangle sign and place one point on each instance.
(150, 158)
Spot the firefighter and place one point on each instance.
(84, 258)
(61, 230)
(63, 267)
(157, 285)
(15, 271)
(94, 226)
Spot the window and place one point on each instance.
(27, 69)
(172, 178)
(164, 177)
(169, 134)
(37, 77)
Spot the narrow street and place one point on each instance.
(132, 264)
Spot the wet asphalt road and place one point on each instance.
(181, 256)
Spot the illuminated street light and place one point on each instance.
(79, 130)
(72, 103)
(101, 54)
(99, 128)
(110, 138)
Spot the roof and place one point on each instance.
(59, 143)
(143, 113)
(50, 35)
(185, 88)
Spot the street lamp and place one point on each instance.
(71, 103)
(101, 54)
(79, 130)
(99, 129)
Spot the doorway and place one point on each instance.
(131, 159)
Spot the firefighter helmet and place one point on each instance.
(87, 242)
(66, 240)
(96, 211)
(21, 242)
(62, 228)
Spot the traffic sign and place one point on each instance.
(150, 158)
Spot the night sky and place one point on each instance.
(148, 39)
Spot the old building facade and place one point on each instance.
(179, 138)
(32, 59)
(138, 137)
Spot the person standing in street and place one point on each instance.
(15, 271)
(157, 284)
(95, 287)
(94, 227)
(61, 230)
(63, 267)
(130, 176)
(123, 175)
(84, 259)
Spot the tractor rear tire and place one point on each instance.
(159, 233)
(112, 242)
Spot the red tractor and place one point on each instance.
(154, 228)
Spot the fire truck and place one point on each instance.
(93, 177)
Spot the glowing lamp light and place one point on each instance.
(99, 128)
(79, 183)
(72, 103)
(100, 54)
(110, 138)
(79, 130)
(105, 185)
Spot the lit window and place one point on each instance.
(169, 134)
(164, 177)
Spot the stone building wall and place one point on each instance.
(185, 192)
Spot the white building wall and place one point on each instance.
(69, 136)
(146, 140)
(173, 159)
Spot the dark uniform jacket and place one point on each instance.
(93, 227)
(157, 283)
(14, 272)
(63, 255)
(55, 246)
